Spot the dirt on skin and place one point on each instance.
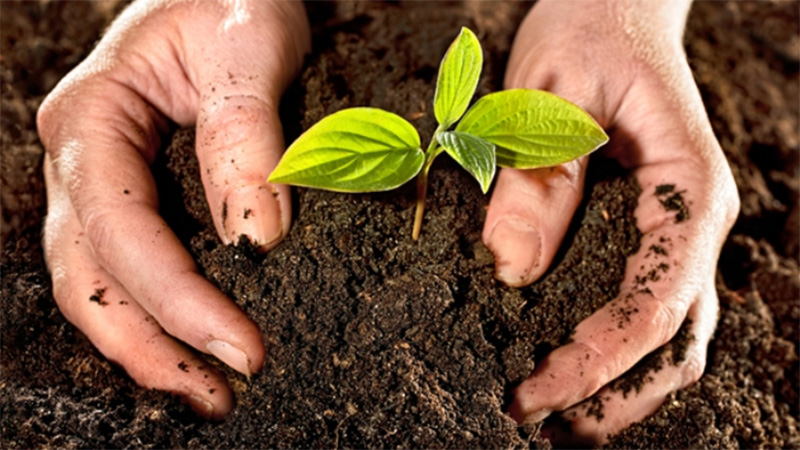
(374, 340)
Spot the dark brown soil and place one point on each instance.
(374, 340)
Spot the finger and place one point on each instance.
(528, 216)
(662, 280)
(530, 210)
(240, 77)
(606, 344)
(614, 407)
(112, 320)
(239, 143)
(114, 197)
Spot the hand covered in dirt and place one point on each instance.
(623, 62)
(119, 273)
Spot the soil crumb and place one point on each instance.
(672, 200)
(97, 297)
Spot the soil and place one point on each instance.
(374, 340)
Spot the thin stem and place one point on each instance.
(422, 181)
(422, 190)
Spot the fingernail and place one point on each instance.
(517, 248)
(254, 211)
(230, 355)
(200, 406)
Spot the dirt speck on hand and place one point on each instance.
(97, 297)
(673, 201)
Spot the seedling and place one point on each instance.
(369, 149)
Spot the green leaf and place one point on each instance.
(533, 128)
(458, 77)
(353, 150)
(473, 153)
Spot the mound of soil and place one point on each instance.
(375, 340)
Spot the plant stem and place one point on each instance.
(422, 181)
(422, 190)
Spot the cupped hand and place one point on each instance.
(623, 62)
(118, 271)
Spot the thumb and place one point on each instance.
(240, 76)
(530, 210)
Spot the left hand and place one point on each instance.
(623, 62)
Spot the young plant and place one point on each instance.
(369, 149)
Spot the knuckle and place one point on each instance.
(170, 324)
(61, 286)
(235, 121)
(54, 235)
(595, 382)
(65, 290)
(100, 229)
(57, 110)
(665, 320)
(732, 205)
(567, 176)
(593, 377)
(724, 193)
(47, 123)
(44, 116)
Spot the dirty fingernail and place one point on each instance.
(517, 248)
(254, 211)
(200, 406)
(230, 355)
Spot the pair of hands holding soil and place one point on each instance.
(224, 65)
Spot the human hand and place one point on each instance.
(118, 271)
(623, 62)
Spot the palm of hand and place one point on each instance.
(658, 127)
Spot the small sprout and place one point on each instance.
(371, 150)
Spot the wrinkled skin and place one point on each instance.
(223, 66)
(623, 62)
(219, 65)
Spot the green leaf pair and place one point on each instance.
(369, 150)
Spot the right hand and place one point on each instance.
(119, 273)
